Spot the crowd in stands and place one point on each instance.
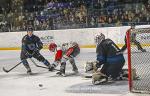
(17, 15)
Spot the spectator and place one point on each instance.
(60, 14)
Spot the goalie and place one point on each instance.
(107, 55)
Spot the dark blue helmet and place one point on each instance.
(30, 29)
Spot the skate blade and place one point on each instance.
(60, 74)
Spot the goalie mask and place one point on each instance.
(99, 38)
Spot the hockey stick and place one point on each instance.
(40, 66)
(36, 64)
(8, 70)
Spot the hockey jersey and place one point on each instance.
(69, 51)
(30, 43)
(107, 52)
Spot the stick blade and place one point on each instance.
(87, 76)
(5, 70)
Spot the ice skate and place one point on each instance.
(101, 81)
(143, 50)
(29, 72)
(51, 68)
(75, 71)
(61, 74)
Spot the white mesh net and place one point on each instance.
(140, 59)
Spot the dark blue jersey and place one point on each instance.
(31, 43)
(107, 52)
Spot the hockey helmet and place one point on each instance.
(99, 38)
(30, 29)
(73, 44)
(52, 47)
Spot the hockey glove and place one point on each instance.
(29, 55)
(98, 64)
(36, 50)
(52, 67)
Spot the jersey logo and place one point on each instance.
(31, 46)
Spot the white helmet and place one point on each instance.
(73, 44)
(99, 38)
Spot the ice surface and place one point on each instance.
(18, 83)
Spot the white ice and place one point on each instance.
(18, 83)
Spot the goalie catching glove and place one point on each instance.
(91, 66)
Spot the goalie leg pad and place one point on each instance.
(99, 78)
(133, 74)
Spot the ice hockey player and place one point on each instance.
(65, 52)
(31, 45)
(108, 56)
(133, 40)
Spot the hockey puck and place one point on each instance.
(40, 85)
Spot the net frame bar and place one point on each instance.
(129, 59)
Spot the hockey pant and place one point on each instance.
(112, 70)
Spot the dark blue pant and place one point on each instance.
(112, 70)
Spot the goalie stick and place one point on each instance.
(8, 70)
(40, 66)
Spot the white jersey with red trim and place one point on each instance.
(66, 49)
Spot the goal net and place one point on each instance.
(138, 41)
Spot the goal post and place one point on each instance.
(138, 60)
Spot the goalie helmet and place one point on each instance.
(99, 38)
(52, 47)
